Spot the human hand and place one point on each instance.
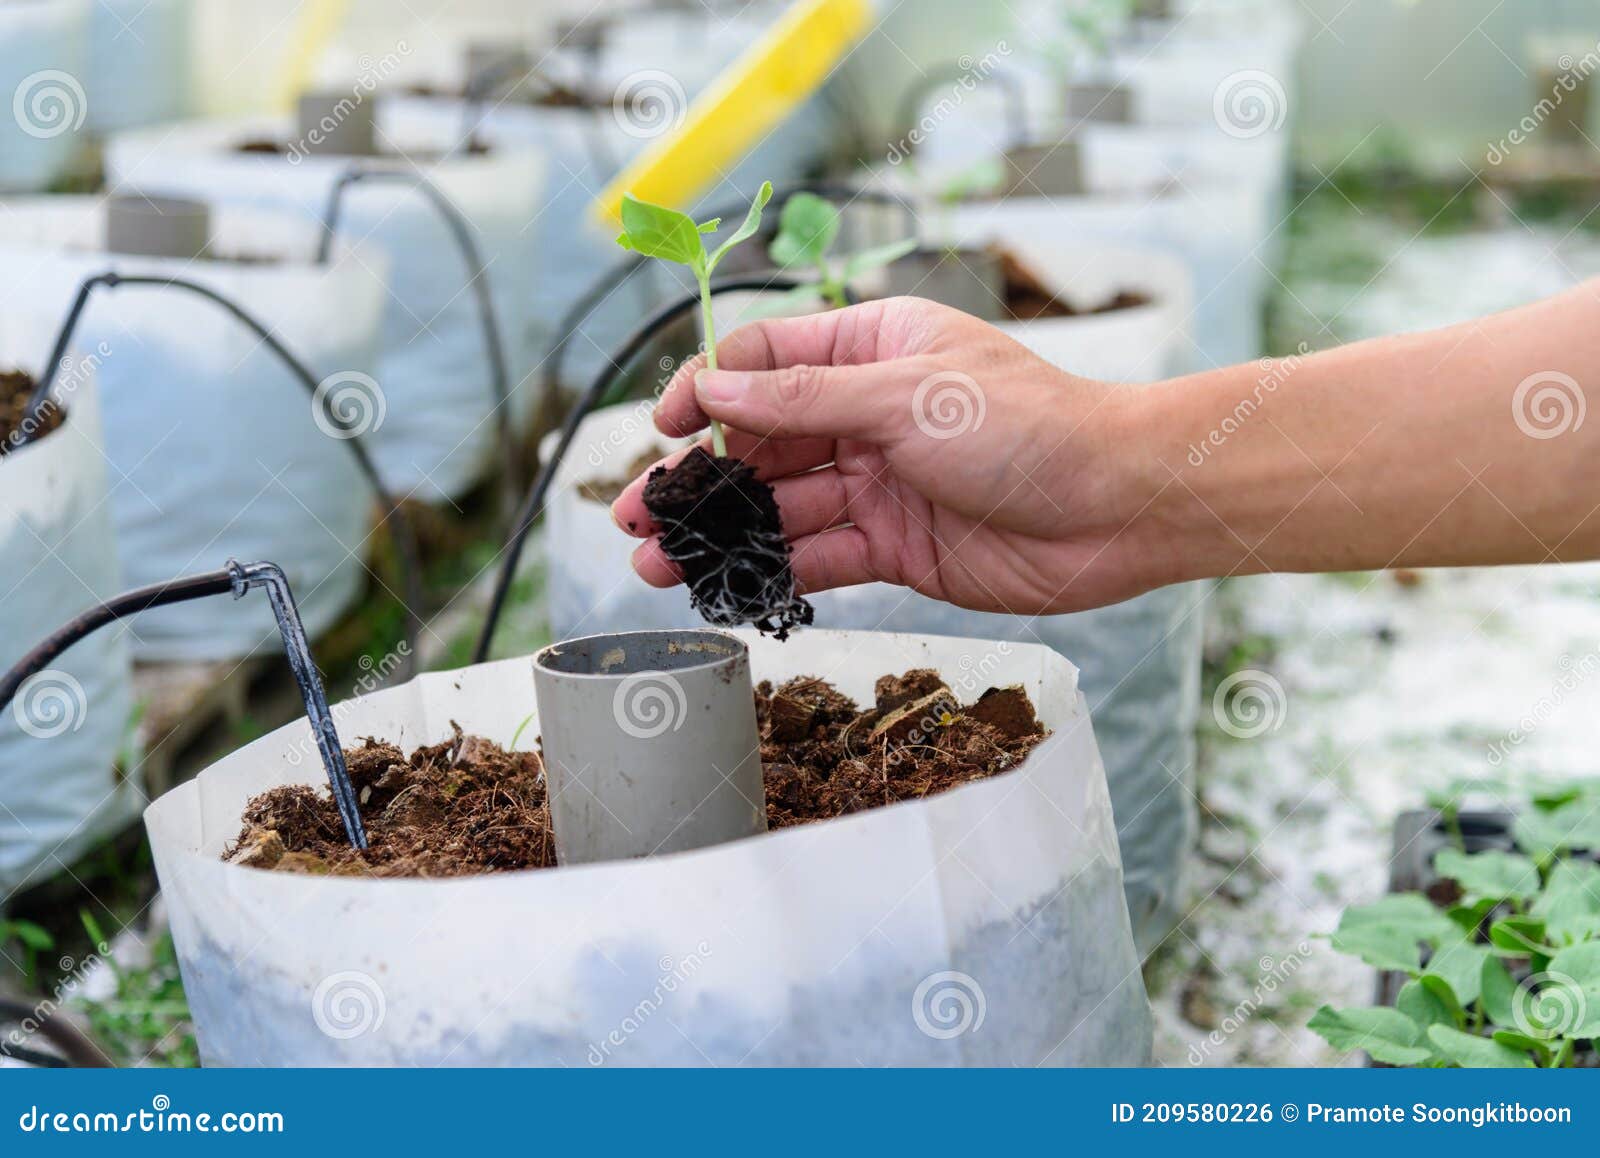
(909, 443)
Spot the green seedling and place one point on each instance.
(807, 229)
(1508, 976)
(659, 232)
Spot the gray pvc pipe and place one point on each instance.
(650, 743)
(1099, 103)
(336, 124)
(157, 226)
(1045, 170)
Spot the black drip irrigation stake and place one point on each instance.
(234, 579)
(951, 71)
(399, 524)
(533, 505)
(478, 281)
(608, 282)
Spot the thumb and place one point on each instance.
(867, 402)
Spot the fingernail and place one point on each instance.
(721, 385)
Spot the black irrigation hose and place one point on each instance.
(533, 505)
(75, 1048)
(952, 71)
(400, 525)
(608, 282)
(235, 579)
(478, 281)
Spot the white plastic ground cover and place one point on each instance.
(60, 788)
(216, 449)
(43, 52)
(140, 70)
(984, 926)
(439, 434)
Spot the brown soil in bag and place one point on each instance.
(720, 525)
(467, 806)
(16, 387)
(1029, 299)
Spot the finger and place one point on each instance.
(834, 558)
(808, 503)
(871, 403)
(834, 338)
(651, 564)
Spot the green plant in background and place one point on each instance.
(807, 229)
(21, 942)
(1508, 975)
(146, 1020)
(659, 232)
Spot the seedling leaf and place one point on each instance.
(1493, 874)
(747, 228)
(1461, 967)
(1473, 1052)
(1387, 1034)
(656, 231)
(1381, 946)
(1426, 1006)
(807, 228)
(1498, 992)
(1519, 936)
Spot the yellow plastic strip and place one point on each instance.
(319, 21)
(741, 106)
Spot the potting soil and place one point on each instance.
(16, 387)
(467, 806)
(721, 525)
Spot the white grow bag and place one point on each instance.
(60, 738)
(139, 62)
(215, 446)
(848, 942)
(439, 436)
(43, 46)
(1218, 230)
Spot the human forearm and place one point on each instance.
(1419, 450)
